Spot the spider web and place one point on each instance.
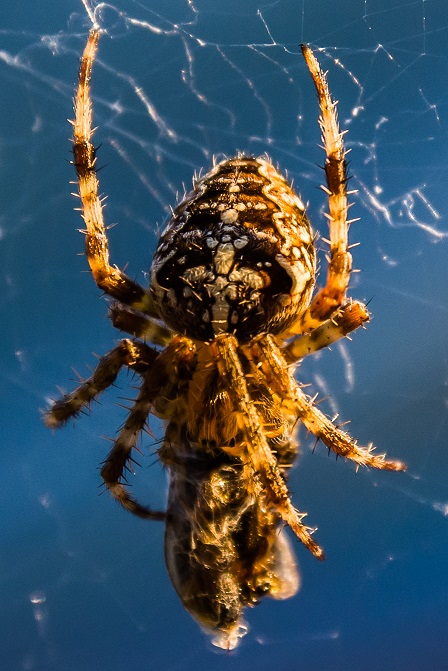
(83, 584)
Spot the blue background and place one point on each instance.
(83, 584)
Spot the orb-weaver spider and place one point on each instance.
(230, 308)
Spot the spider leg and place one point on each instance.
(332, 296)
(133, 354)
(347, 319)
(268, 481)
(109, 278)
(161, 380)
(294, 400)
(119, 457)
(139, 324)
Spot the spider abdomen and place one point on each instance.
(237, 255)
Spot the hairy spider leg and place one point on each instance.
(109, 278)
(348, 318)
(119, 458)
(314, 420)
(139, 324)
(332, 296)
(160, 384)
(135, 355)
(268, 482)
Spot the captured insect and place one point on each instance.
(229, 312)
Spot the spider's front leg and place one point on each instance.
(268, 482)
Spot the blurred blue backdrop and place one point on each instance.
(83, 584)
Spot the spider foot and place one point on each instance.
(113, 472)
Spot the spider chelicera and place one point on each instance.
(230, 309)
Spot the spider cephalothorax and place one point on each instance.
(230, 305)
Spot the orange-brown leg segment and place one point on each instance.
(139, 324)
(120, 457)
(268, 482)
(135, 355)
(161, 389)
(295, 401)
(109, 278)
(345, 320)
(332, 296)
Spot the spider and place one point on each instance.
(229, 312)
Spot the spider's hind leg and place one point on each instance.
(109, 278)
(332, 295)
(143, 360)
(119, 458)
